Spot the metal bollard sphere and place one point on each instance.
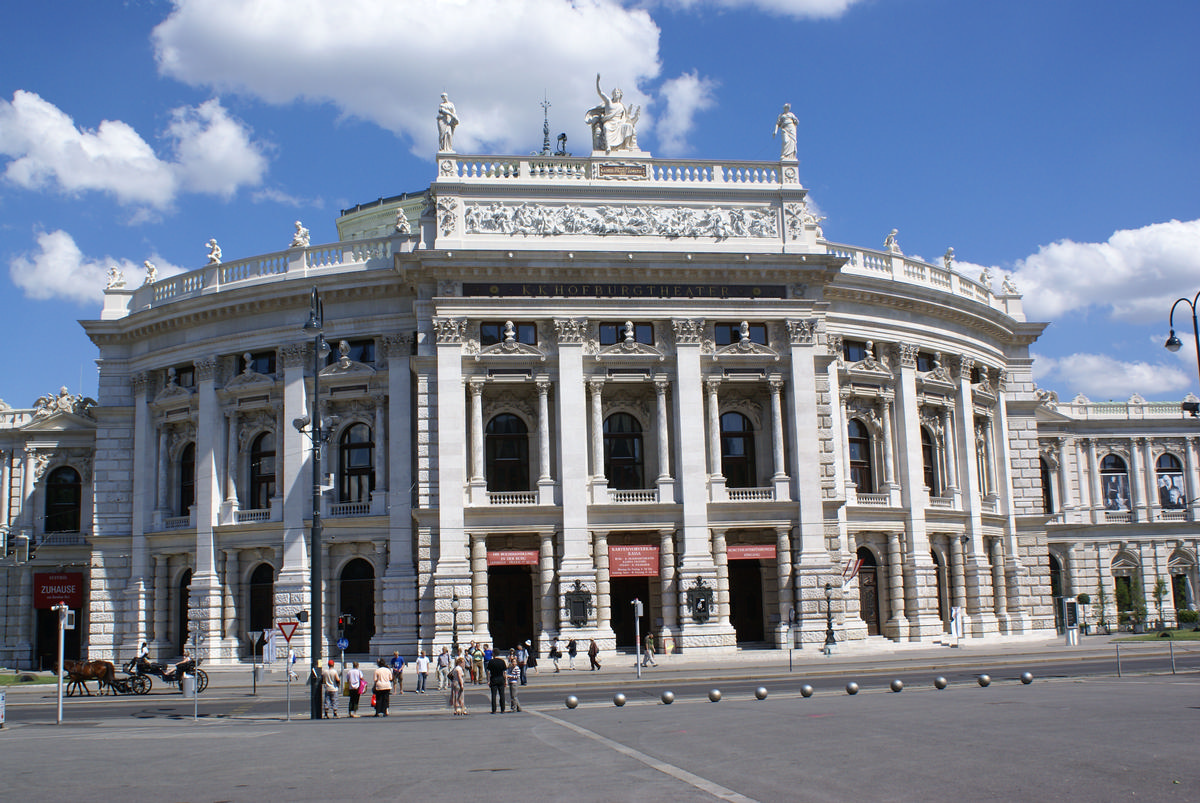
(897, 685)
(668, 697)
(852, 688)
(1027, 678)
(984, 680)
(760, 693)
(714, 696)
(572, 701)
(618, 699)
(806, 690)
(940, 682)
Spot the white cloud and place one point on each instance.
(798, 9)
(1134, 276)
(60, 270)
(276, 195)
(386, 62)
(1101, 377)
(685, 96)
(212, 154)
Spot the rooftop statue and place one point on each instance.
(614, 128)
(948, 259)
(116, 279)
(890, 243)
(214, 252)
(447, 121)
(300, 237)
(151, 272)
(787, 123)
(402, 226)
(64, 402)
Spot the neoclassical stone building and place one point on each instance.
(558, 384)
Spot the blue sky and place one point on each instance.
(1057, 141)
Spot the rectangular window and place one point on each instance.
(726, 334)
(924, 362)
(185, 376)
(613, 333)
(261, 362)
(854, 351)
(362, 350)
(492, 333)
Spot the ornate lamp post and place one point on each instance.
(454, 610)
(1173, 343)
(830, 639)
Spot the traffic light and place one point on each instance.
(341, 622)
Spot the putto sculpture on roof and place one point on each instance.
(214, 252)
(614, 127)
(300, 237)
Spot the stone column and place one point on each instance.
(783, 571)
(661, 384)
(380, 439)
(1094, 476)
(999, 588)
(989, 467)
(666, 576)
(479, 587)
(160, 635)
(573, 466)
(164, 470)
(596, 388)
(205, 601)
(549, 598)
(475, 386)
(232, 587)
(451, 464)
(292, 455)
(714, 427)
(231, 456)
(776, 386)
(603, 586)
(721, 560)
(889, 471)
(543, 392)
(1193, 476)
(397, 623)
(951, 457)
(958, 573)
(6, 485)
(1138, 502)
(898, 626)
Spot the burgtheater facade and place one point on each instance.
(556, 385)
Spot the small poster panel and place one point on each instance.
(512, 557)
(51, 588)
(632, 560)
(750, 552)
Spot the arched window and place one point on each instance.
(262, 471)
(1171, 495)
(929, 455)
(187, 479)
(64, 496)
(858, 440)
(623, 452)
(507, 453)
(737, 451)
(357, 477)
(1047, 492)
(1114, 483)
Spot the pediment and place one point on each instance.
(746, 349)
(630, 350)
(868, 370)
(58, 421)
(938, 379)
(511, 349)
(346, 368)
(248, 381)
(172, 393)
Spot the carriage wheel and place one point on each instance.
(140, 684)
(201, 680)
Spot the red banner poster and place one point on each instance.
(632, 561)
(51, 588)
(512, 557)
(750, 552)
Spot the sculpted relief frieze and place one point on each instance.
(627, 220)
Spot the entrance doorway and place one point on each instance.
(1056, 592)
(356, 599)
(47, 639)
(868, 590)
(510, 606)
(184, 591)
(745, 599)
(262, 603)
(943, 592)
(622, 592)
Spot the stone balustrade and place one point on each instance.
(751, 494)
(899, 268)
(539, 169)
(633, 496)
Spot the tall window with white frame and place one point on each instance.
(1169, 474)
(187, 480)
(1114, 484)
(929, 455)
(356, 480)
(506, 449)
(737, 451)
(262, 471)
(862, 472)
(623, 463)
(64, 497)
(1047, 488)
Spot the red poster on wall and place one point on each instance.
(512, 557)
(51, 588)
(750, 552)
(625, 560)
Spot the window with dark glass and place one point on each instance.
(859, 442)
(737, 451)
(185, 376)
(726, 334)
(506, 449)
(925, 362)
(357, 477)
(978, 374)
(64, 497)
(623, 452)
(1169, 471)
(187, 480)
(929, 456)
(854, 350)
(262, 471)
(1047, 478)
(261, 362)
(362, 350)
(613, 333)
(1114, 484)
(492, 333)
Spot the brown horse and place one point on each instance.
(80, 672)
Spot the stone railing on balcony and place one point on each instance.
(633, 496)
(1118, 517)
(242, 516)
(11, 419)
(543, 169)
(989, 504)
(751, 494)
(874, 500)
(343, 510)
(1136, 408)
(942, 502)
(1173, 515)
(512, 497)
(62, 539)
(177, 523)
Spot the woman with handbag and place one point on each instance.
(382, 688)
(356, 684)
(457, 676)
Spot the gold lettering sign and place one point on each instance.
(622, 171)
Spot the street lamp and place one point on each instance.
(454, 610)
(1173, 343)
(830, 639)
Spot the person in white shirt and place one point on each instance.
(422, 671)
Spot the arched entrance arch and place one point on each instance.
(261, 614)
(356, 600)
(1056, 589)
(183, 592)
(868, 590)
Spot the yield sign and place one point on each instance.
(288, 629)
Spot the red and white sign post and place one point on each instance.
(288, 629)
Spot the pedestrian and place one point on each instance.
(532, 663)
(443, 668)
(522, 659)
(398, 671)
(422, 671)
(382, 688)
(555, 652)
(594, 655)
(470, 656)
(356, 684)
(457, 679)
(497, 669)
(648, 657)
(514, 678)
(477, 664)
(330, 680)
(572, 651)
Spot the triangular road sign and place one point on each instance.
(288, 629)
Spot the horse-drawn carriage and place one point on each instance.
(140, 671)
(80, 673)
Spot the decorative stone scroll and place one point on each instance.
(627, 220)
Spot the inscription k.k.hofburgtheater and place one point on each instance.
(624, 290)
